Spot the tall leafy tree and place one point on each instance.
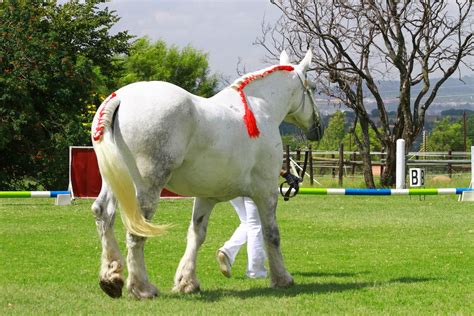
(470, 128)
(334, 133)
(53, 59)
(187, 68)
(447, 136)
(375, 143)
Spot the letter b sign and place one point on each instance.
(417, 177)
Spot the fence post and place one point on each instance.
(287, 167)
(354, 157)
(341, 163)
(450, 167)
(298, 155)
(333, 171)
(311, 180)
(381, 164)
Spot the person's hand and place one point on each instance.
(292, 180)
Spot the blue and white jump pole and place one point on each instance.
(337, 191)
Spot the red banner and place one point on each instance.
(84, 175)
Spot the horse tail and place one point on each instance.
(116, 173)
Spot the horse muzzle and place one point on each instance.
(315, 132)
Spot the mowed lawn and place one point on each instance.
(348, 255)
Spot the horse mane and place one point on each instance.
(240, 84)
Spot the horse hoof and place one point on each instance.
(112, 288)
(283, 282)
(187, 287)
(149, 292)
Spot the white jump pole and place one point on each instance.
(472, 167)
(400, 167)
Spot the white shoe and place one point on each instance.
(257, 275)
(224, 263)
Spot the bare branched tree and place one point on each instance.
(357, 43)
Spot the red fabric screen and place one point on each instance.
(85, 177)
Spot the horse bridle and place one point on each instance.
(292, 191)
(307, 92)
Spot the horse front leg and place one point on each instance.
(111, 267)
(267, 203)
(185, 280)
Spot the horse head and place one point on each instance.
(304, 112)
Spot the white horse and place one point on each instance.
(154, 135)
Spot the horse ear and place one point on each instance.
(306, 62)
(284, 59)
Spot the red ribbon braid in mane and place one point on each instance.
(249, 118)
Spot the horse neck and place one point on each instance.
(271, 96)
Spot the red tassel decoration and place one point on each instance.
(249, 118)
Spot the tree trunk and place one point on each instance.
(388, 175)
(364, 149)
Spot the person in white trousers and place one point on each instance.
(250, 232)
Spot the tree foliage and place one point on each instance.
(53, 59)
(375, 143)
(470, 128)
(447, 136)
(187, 68)
(334, 133)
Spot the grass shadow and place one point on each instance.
(297, 289)
(412, 280)
(329, 274)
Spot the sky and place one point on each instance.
(224, 29)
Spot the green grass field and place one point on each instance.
(348, 255)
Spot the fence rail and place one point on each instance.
(343, 162)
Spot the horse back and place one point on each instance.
(200, 145)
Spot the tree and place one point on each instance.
(53, 59)
(375, 144)
(334, 133)
(293, 141)
(447, 136)
(187, 68)
(421, 43)
(470, 128)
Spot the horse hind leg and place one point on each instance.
(185, 280)
(137, 283)
(111, 268)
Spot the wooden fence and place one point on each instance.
(340, 163)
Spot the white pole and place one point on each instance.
(472, 167)
(400, 170)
